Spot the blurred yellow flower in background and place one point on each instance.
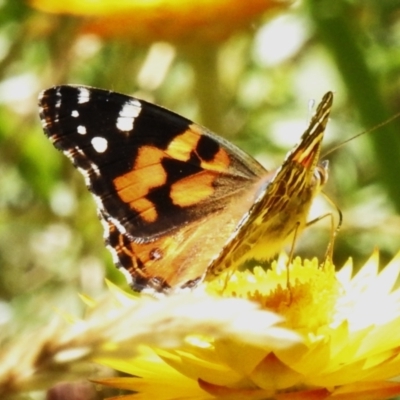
(149, 20)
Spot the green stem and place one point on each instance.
(207, 87)
(337, 29)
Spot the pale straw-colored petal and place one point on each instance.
(115, 329)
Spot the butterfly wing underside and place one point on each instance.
(283, 201)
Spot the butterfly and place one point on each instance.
(178, 203)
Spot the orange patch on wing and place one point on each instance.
(193, 189)
(137, 183)
(145, 208)
(219, 163)
(183, 144)
(148, 155)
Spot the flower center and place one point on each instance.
(307, 303)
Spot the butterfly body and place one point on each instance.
(178, 203)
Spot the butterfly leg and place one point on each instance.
(333, 233)
(227, 278)
(290, 259)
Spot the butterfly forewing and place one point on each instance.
(149, 169)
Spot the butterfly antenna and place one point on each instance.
(374, 128)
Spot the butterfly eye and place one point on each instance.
(321, 172)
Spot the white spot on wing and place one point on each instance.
(75, 113)
(81, 130)
(100, 144)
(83, 95)
(127, 115)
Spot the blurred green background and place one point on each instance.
(247, 73)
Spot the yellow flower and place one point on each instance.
(349, 349)
(115, 329)
(147, 20)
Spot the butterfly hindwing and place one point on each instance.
(177, 260)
